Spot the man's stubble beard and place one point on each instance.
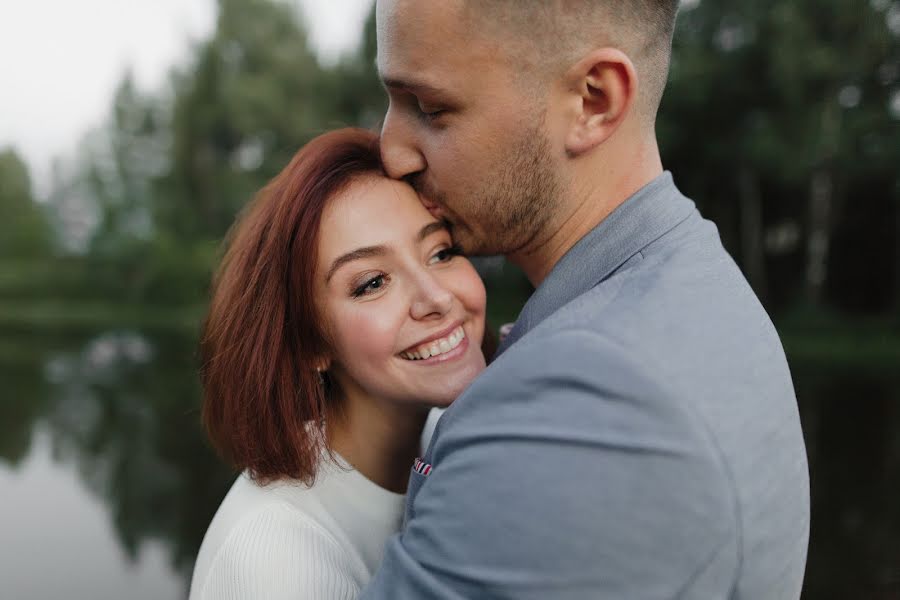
(514, 207)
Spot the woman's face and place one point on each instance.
(404, 312)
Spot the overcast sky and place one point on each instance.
(60, 60)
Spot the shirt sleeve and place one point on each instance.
(277, 554)
(567, 473)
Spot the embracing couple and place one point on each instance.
(634, 436)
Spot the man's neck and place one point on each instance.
(592, 196)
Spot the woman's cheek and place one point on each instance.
(471, 291)
(370, 331)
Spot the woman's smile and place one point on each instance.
(440, 348)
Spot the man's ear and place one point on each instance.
(605, 82)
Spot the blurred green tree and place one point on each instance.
(25, 231)
(777, 113)
(781, 120)
(251, 98)
(170, 171)
(121, 163)
(354, 85)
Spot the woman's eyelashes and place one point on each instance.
(445, 254)
(371, 285)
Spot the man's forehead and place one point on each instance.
(415, 36)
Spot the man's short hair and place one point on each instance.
(560, 30)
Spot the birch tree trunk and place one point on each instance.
(897, 258)
(752, 250)
(821, 200)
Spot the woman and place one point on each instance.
(341, 313)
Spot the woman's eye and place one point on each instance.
(369, 287)
(445, 255)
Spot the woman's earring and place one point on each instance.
(321, 377)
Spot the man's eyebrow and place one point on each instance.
(410, 85)
(358, 254)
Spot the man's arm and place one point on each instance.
(567, 472)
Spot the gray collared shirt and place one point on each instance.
(636, 437)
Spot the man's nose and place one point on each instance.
(431, 300)
(399, 153)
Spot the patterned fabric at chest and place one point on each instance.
(421, 467)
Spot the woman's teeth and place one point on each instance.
(437, 347)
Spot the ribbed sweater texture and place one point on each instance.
(287, 540)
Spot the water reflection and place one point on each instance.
(59, 542)
(120, 410)
(124, 411)
(26, 396)
(851, 419)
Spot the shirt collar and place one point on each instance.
(644, 217)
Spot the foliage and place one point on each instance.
(24, 228)
(250, 99)
(788, 114)
(781, 120)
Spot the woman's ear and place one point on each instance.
(605, 82)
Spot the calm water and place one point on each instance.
(107, 484)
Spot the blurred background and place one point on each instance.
(131, 133)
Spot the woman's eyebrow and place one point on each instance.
(431, 228)
(372, 251)
(358, 254)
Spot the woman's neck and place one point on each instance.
(378, 438)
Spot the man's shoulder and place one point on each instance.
(572, 379)
(562, 350)
(667, 309)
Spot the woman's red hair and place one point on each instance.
(263, 402)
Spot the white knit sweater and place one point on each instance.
(290, 541)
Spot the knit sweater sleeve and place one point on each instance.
(276, 553)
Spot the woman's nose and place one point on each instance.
(431, 299)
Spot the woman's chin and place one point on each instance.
(439, 399)
(447, 395)
(441, 402)
(440, 384)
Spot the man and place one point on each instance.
(637, 435)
